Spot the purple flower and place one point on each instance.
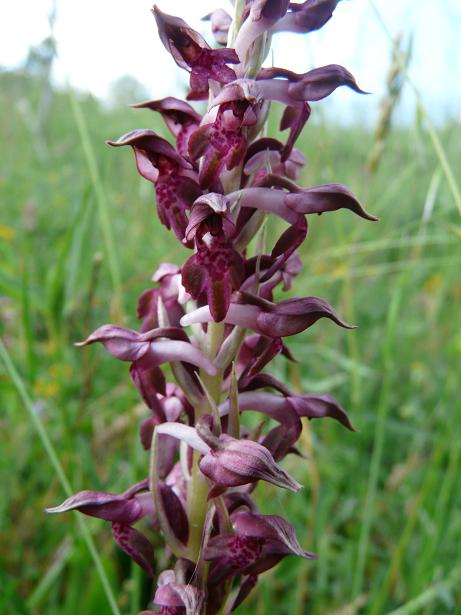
(149, 349)
(289, 87)
(267, 153)
(180, 118)
(191, 52)
(231, 463)
(216, 268)
(214, 188)
(170, 291)
(172, 175)
(298, 201)
(221, 142)
(259, 543)
(176, 596)
(292, 89)
(122, 511)
(311, 406)
(281, 319)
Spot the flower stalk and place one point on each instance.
(218, 319)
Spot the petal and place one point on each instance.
(147, 146)
(135, 545)
(232, 554)
(288, 87)
(273, 528)
(240, 462)
(150, 382)
(321, 82)
(324, 198)
(177, 517)
(185, 598)
(294, 118)
(186, 434)
(242, 315)
(182, 41)
(174, 111)
(124, 344)
(167, 351)
(317, 406)
(107, 506)
(292, 316)
(306, 17)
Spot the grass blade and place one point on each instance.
(54, 460)
(435, 139)
(101, 199)
(378, 444)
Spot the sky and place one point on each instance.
(101, 40)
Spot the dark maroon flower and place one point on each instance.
(259, 543)
(293, 119)
(289, 205)
(191, 52)
(222, 141)
(216, 269)
(154, 347)
(281, 319)
(289, 87)
(127, 507)
(122, 511)
(171, 293)
(266, 272)
(231, 463)
(311, 406)
(146, 352)
(176, 596)
(180, 118)
(172, 175)
(265, 156)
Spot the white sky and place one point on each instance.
(100, 40)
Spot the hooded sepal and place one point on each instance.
(173, 176)
(306, 17)
(232, 462)
(191, 52)
(178, 595)
(181, 119)
(124, 508)
(216, 269)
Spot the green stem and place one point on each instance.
(197, 496)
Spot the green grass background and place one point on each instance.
(79, 240)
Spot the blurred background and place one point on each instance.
(79, 241)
